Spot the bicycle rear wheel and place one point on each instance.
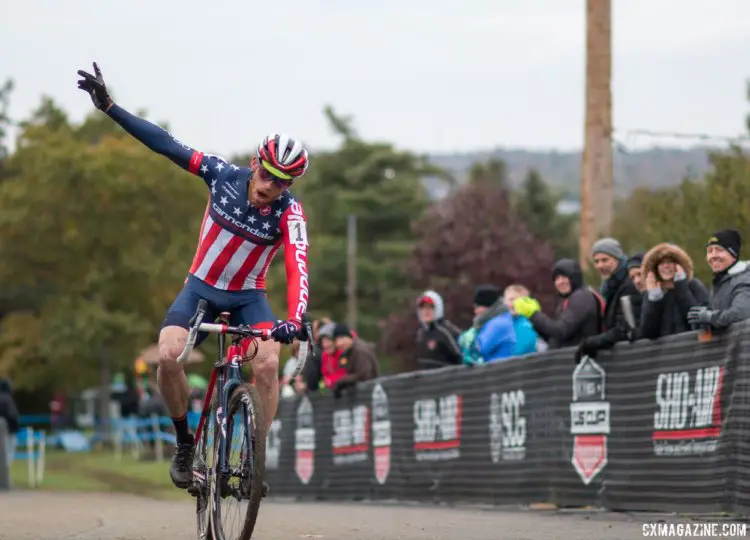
(236, 492)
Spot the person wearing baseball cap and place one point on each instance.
(436, 338)
(730, 298)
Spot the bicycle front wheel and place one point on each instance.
(237, 479)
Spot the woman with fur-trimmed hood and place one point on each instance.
(671, 290)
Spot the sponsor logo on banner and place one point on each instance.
(687, 420)
(351, 435)
(507, 426)
(589, 419)
(381, 434)
(437, 428)
(273, 445)
(304, 441)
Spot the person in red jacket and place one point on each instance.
(330, 365)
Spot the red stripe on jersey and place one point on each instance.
(195, 162)
(204, 246)
(223, 259)
(247, 266)
(194, 266)
(260, 282)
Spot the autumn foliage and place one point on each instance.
(470, 238)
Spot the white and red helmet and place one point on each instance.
(283, 156)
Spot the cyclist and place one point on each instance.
(250, 214)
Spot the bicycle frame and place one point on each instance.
(227, 375)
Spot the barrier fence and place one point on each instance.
(653, 426)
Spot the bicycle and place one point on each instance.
(213, 481)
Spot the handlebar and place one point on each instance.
(197, 325)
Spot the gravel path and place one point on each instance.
(73, 516)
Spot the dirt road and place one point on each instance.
(48, 516)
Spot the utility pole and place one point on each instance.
(597, 190)
(351, 259)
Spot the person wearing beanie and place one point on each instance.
(611, 263)
(491, 336)
(579, 312)
(357, 356)
(730, 298)
(436, 337)
(671, 291)
(634, 271)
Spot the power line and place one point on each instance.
(680, 135)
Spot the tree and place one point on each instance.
(471, 238)
(494, 172)
(5, 91)
(94, 246)
(383, 188)
(538, 205)
(689, 213)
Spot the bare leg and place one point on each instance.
(170, 376)
(266, 370)
(175, 391)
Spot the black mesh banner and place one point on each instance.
(655, 425)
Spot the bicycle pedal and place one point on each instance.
(194, 490)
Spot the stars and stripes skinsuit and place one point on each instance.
(237, 241)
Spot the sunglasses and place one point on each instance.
(270, 173)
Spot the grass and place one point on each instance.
(101, 471)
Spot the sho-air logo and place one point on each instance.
(273, 445)
(304, 441)
(381, 434)
(437, 431)
(688, 416)
(589, 419)
(507, 426)
(351, 435)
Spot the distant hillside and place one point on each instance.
(657, 167)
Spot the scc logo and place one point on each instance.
(265, 210)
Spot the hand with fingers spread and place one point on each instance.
(94, 85)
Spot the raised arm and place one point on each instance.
(152, 136)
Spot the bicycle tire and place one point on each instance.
(202, 511)
(244, 397)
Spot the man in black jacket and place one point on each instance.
(437, 337)
(612, 265)
(579, 313)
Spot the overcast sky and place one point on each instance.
(428, 75)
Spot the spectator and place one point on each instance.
(526, 336)
(491, 336)
(288, 385)
(730, 299)
(612, 265)
(635, 273)
(579, 315)
(436, 337)
(9, 412)
(358, 357)
(672, 291)
(331, 368)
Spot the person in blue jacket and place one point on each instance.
(491, 336)
(527, 339)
